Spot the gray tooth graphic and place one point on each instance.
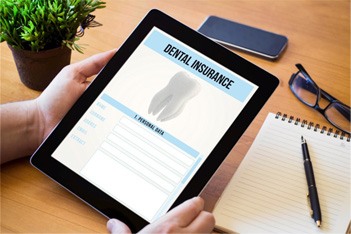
(172, 98)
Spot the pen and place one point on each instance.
(311, 183)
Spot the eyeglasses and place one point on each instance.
(308, 92)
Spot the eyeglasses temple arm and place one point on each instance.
(344, 111)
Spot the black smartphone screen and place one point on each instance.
(244, 37)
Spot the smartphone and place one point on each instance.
(235, 35)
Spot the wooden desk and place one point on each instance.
(319, 38)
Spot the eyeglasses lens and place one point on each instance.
(305, 89)
(339, 115)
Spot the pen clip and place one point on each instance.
(309, 204)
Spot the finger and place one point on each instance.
(92, 65)
(186, 212)
(115, 226)
(86, 84)
(203, 223)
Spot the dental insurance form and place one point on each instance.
(154, 124)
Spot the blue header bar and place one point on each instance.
(200, 66)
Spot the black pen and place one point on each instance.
(311, 183)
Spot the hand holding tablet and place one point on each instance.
(117, 156)
(188, 217)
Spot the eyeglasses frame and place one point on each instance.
(321, 94)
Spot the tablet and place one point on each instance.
(156, 122)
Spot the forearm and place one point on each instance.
(20, 130)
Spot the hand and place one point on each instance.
(34, 119)
(188, 217)
(65, 89)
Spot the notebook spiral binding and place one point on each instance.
(310, 125)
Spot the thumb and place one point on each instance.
(115, 226)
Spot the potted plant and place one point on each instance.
(42, 33)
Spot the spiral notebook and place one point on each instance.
(267, 194)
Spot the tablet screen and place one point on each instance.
(154, 124)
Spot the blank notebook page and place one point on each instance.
(268, 191)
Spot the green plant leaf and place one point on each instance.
(42, 24)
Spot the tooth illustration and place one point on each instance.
(172, 98)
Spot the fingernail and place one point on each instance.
(110, 224)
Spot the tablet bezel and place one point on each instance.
(99, 200)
